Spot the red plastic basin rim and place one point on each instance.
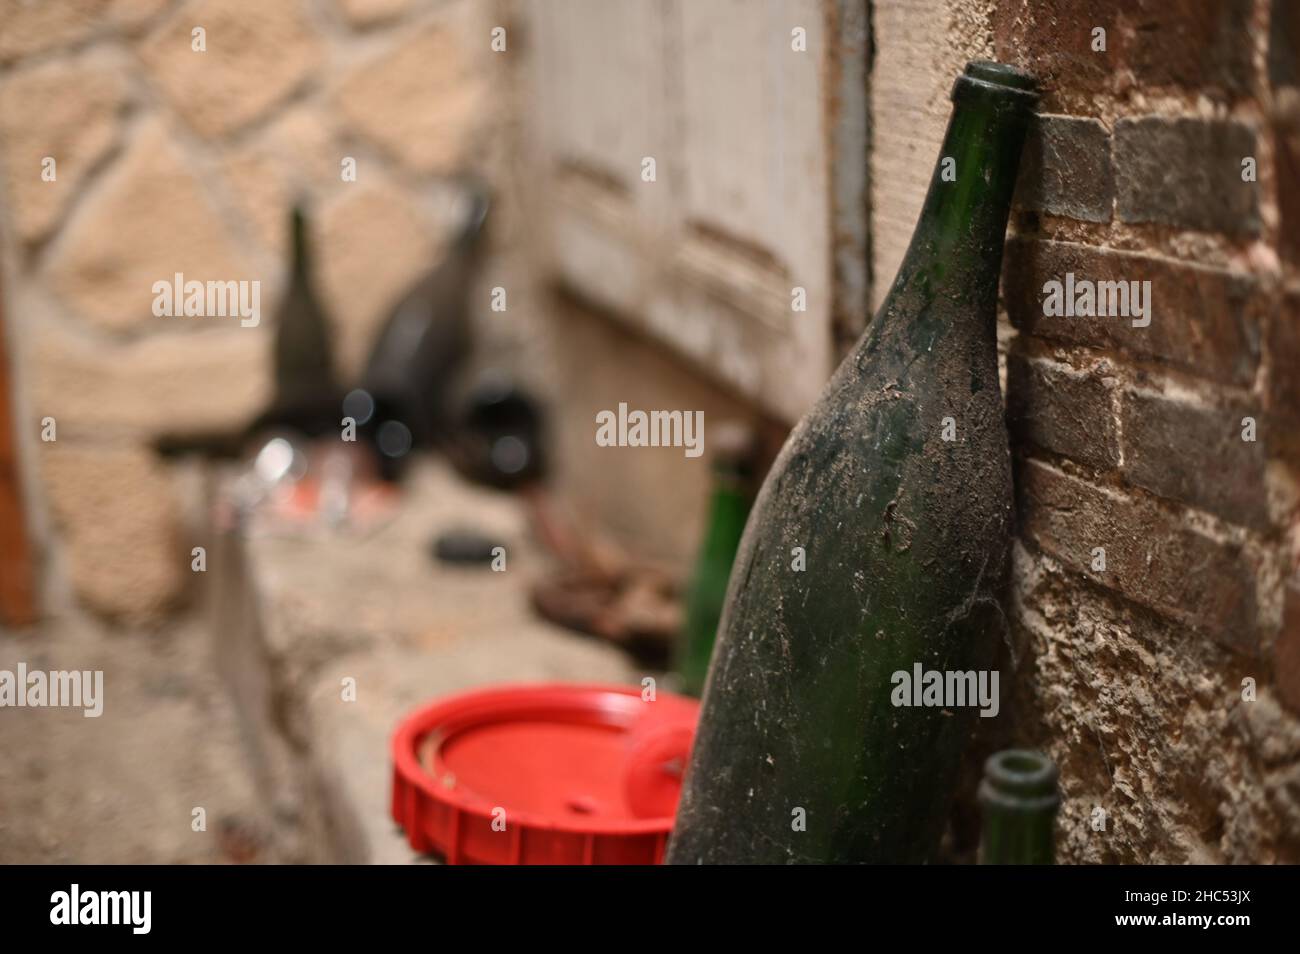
(612, 705)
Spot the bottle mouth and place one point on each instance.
(1001, 80)
(1019, 778)
(1003, 74)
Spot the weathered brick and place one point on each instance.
(1197, 44)
(1063, 410)
(1204, 45)
(1286, 150)
(1053, 39)
(1284, 44)
(1284, 348)
(1207, 320)
(1286, 649)
(1066, 169)
(1195, 454)
(1283, 394)
(1152, 557)
(1186, 172)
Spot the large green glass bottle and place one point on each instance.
(1018, 799)
(879, 542)
(733, 450)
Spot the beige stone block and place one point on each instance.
(363, 13)
(176, 383)
(372, 244)
(118, 512)
(297, 152)
(132, 14)
(68, 111)
(257, 54)
(148, 220)
(33, 26)
(425, 101)
(305, 141)
(262, 197)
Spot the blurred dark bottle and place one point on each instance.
(307, 396)
(404, 399)
(1019, 799)
(729, 502)
(498, 430)
(879, 544)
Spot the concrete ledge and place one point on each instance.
(296, 616)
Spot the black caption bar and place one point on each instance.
(137, 904)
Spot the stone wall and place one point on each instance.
(169, 159)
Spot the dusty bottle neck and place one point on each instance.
(956, 250)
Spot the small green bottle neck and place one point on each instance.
(1019, 800)
(730, 497)
(729, 503)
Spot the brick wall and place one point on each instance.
(1129, 440)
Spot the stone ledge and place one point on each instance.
(378, 609)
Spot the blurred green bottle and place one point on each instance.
(1019, 799)
(730, 500)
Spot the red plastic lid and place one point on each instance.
(543, 774)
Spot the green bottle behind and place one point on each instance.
(1018, 799)
(307, 396)
(879, 541)
(729, 503)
